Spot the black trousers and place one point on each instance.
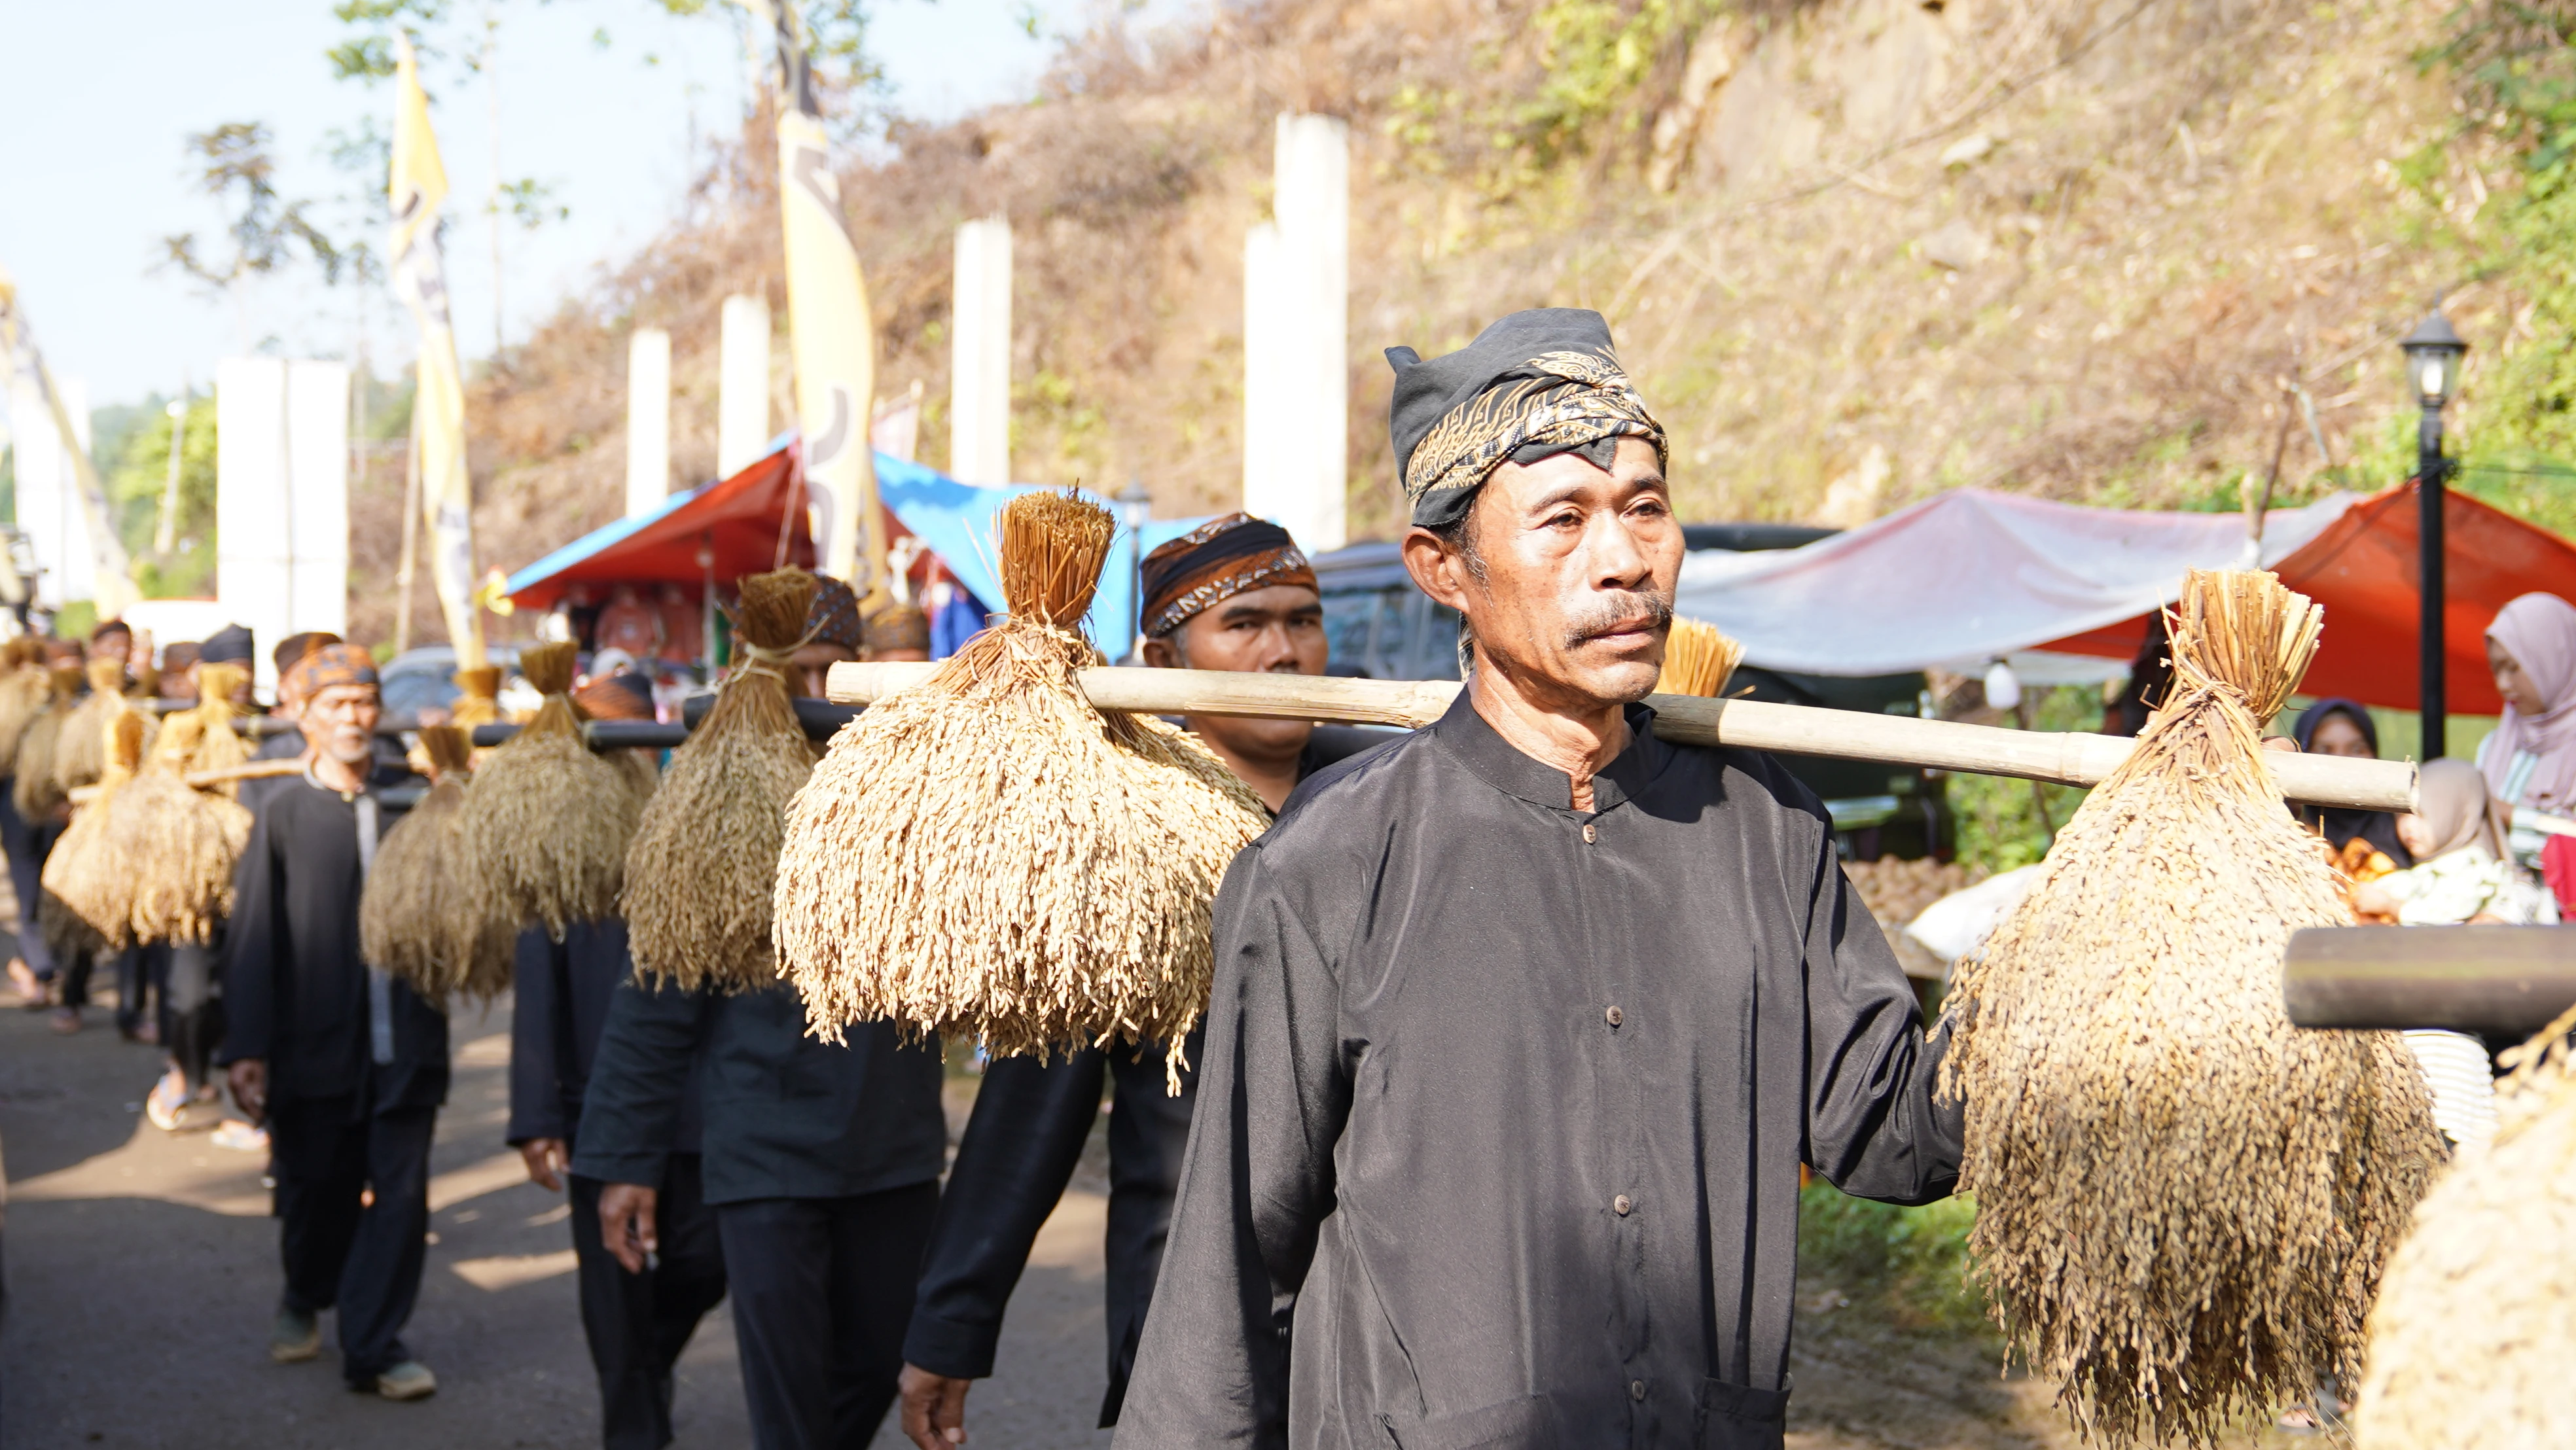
(363, 1259)
(822, 1289)
(26, 846)
(141, 971)
(637, 1324)
(192, 1015)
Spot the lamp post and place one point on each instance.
(2433, 354)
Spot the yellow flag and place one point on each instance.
(419, 188)
(830, 332)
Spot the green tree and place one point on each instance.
(137, 482)
(266, 230)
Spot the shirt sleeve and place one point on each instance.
(536, 1034)
(250, 949)
(1874, 1129)
(1256, 1183)
(1021, 1144)
(630, 1117)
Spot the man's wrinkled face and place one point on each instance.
(1568, 583)
(340, 721)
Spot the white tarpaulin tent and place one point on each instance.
(1968, 577)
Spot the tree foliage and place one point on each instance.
(137, 480)
(235, 166)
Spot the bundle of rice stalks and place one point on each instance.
(80, 752)
(33, 791)
(705, 859)
(2476, 1322)
(204, 736)
(23, 691)
(481, 702)
(987, 854)
(89, 887)
(420, 917)
(1697, 659)
(180, 843)
(547, 822)
(2183, 1203)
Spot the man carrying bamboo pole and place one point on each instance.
(344, 1065)
(1236, 593)
(1523, 1025)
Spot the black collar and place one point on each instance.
(1467, 735)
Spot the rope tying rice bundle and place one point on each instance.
(2476, 1322)
(88, 900)
(700, 873)
(80, 752)
(420, 917)
(2183, 1202)
(1697, 659)
(987, 855)
(34, 792)
(547, 822)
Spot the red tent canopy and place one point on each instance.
(735, 522)
(2362, 568)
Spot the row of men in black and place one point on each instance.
(712, 1146)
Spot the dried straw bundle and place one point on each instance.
(180, 845)
(1697, 659)
(2183, 1203)
(89, 886)
(23, 691)
(33, 790)
(547, 822)
(480, 704)
(203, 737)
(700, 872)
(80, 752)
(2476, 1322)
(419, 917)
(986, 854)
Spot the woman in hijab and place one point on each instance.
(2343, 727)
(2530, 760)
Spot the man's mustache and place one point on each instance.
(1617, 612)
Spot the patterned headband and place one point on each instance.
(1577, 398)
(332, 664)
(1215, 562)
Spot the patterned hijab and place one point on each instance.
(1533, 385)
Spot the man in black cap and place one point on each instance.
(1236, 593)
(1523, 1025)
(346, 1066)
(822, 1163)
(636, 1322)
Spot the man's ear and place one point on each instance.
(1162, 654)
(1435, 570)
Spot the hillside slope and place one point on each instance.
(1854, 251)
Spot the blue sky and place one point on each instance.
(96, 102)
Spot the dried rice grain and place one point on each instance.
(547, 822)
(986, 855)
(2183, 1202)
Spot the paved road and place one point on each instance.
(142, 1269)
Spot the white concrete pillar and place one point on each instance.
(317, 464)
(282, 498)
(979, 411)
(48, 490)
(1297, 368)
(648, 420)
(742, 384)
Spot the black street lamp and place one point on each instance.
(2433, 354)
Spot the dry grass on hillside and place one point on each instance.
(2151, 214)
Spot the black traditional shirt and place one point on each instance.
(1503, 1106)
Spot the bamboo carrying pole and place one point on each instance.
(248, 770)
(2068, 759)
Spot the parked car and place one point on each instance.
(1381, 627)
(424, 678)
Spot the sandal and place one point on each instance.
(167, 1104)
(239, 1136)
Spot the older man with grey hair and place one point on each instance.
(1524, 1025)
